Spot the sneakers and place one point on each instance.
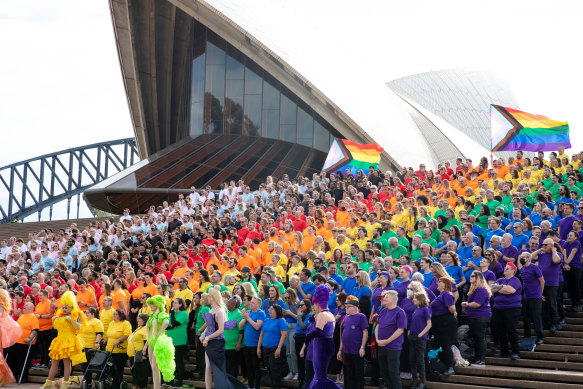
(296, 376)
(540, 340)
(449, 372)
(406, 375)
(559, 327)
(514, 357)
(478, 364)
(289, 376)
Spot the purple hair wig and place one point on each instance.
(321, 296)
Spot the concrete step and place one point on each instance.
(555, 348)
(535, 363)
(564, 333)
(487, 382)
(546, 356)
(451, 385)
(566, 327)
(514, 372)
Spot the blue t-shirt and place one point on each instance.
(362, 291)
(427, 279)
(469, 272)
(337, 279)
(455, 272)
(308, 288)
(299, 330)
(348, 285)
(268, 303)
(272, 332)
(251, 334)
(292, 308)
(519, 241)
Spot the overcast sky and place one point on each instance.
(61, 86)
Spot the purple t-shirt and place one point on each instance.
(430, 295)
(376, 297)
(549, 269)
(510, 252)
(433, 286)
(481, 297)
(565, 226)
(576, 261)
(402, 291)
(419, 321)
(408, 306)
(352, 328)
(389, 321)
(530, 283)
(489, 275)
(441, 302)
(506, 301)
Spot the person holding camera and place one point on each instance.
(533, 284)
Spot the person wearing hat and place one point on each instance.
(247, 277)
(354, 334)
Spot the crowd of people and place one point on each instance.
(300, 278)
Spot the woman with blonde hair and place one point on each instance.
(363, 292)
(479, 314)
(439, 273)
(249, 289)
(213, 340)
(67, 346)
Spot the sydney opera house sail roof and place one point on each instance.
(232, 89)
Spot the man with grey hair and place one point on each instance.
(392, 322)
(507, 252)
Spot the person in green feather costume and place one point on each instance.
(158, 345)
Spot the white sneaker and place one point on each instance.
(289, 376)
(296, 376)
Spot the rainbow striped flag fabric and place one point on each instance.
(517, 130)
(345, 154)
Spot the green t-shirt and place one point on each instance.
(548, 183)
(280, 286)
(223, 288)
(388, 235)
(493, 205)
(179, 334)
(436, 235)
(452, 222)
(384, 244)
(397, 252)
(199, 319)
(404, 242)
(555, 192)
(365, 266)
(430, 242)
(415, 254)
(439, 212)
(232, 336)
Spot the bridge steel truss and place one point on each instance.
(37, 183)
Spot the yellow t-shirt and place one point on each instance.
(185, 294)
(89, 334)
(115, 331)
(294, 269)
(136, 341)
(106, 317)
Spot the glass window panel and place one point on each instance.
(288, 110)
(214, 97)
(288, 132)
(321, 137)
(271, 123)
(235, 69)
(270, 96)
(305, 127)
(197, 95)
(252, 115)
(214, 55)
(253, 84)
(234, 107)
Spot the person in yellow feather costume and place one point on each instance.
(67, 346)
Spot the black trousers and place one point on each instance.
(550, 314)
(200, 361)
(353, 371)
(180, 353)
(233, 362)
(275, 365)
(389, 364)
(444, 329)
(140, 372)
(16, 355)
(119, 361)
(299, 343)
(506, 323)
(573, 280)
(532, 311)
(44, 341)
(309, 366)
(417, 354)
(252, 362)
(478, 328)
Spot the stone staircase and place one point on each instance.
(556, 364)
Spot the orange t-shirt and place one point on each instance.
(138, 292)
(43, 308)
(152, 290)
(343, 218)
(193, 285)
(28, 322)
(256, 253)
(119, 297)
(86, 297)
(214, 260)
(247, 261)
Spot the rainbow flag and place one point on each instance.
(345, 154)
(517, 130)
